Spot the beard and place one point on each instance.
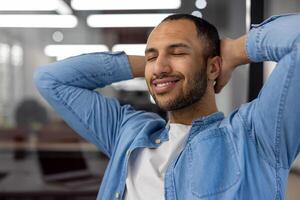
(188, 96)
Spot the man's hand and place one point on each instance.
(233, 53)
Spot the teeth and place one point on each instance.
(164, 84)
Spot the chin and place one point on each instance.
(160, 103)
(166, 105)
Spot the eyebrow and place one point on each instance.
(179, 45)
(172, 46)
(150, 50)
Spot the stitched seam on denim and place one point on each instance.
(203, 126)
(195, 132)
(190, 158)
(248, 131)
(168, 179)
(124, 173)
(88, 76)
(173, 181)
(211, 135)
(280, 115)
(106, 61)
(209, 121)
(220, 189)
(258, 41)
(290, 75)
(234, 149)
(247, 47)
(279, 118)
(261, 49)
(64, 102)
(75, 114)
(245, 124)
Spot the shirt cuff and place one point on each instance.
(121, 69)
(253, 42)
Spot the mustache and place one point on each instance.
(164, 75)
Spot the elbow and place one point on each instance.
(41, 77)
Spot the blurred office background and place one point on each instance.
(40, 156)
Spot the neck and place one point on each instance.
(204, 107)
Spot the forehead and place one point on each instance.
(173, 31)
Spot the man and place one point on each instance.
(198, 154)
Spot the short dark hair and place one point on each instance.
(205, 30)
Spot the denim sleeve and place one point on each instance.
(274, 115)
(68, 86)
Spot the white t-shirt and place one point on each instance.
(147, 167)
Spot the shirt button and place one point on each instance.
(157, 141)
(117, 195)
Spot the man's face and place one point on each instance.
(175, 68)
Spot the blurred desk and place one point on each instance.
(22, 177)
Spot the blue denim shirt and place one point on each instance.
(246, 155)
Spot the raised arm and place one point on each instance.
(233, 53)
(273, 116)
(68, 86)
(137, 64)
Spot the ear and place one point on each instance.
(213, 68)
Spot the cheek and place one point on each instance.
(192, 76)
(148, 73)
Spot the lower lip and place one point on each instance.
(164, 89)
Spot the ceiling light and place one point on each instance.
(38, 21)
(200, 4)
(58, 36)
(63, 8)
(197, 13)
(125, 20)
(68, 50)
(36, 5)
(124, 5)
(4, 54)
(131, 49)
(17, 55)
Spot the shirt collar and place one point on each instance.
(205, 120)
(209, 119)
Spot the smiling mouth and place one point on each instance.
(164, 85)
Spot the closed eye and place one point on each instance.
(149, 59)
(179, 54)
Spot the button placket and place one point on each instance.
(157, 141)
(128, 153)
(117, 195)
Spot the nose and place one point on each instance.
(162, 65)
